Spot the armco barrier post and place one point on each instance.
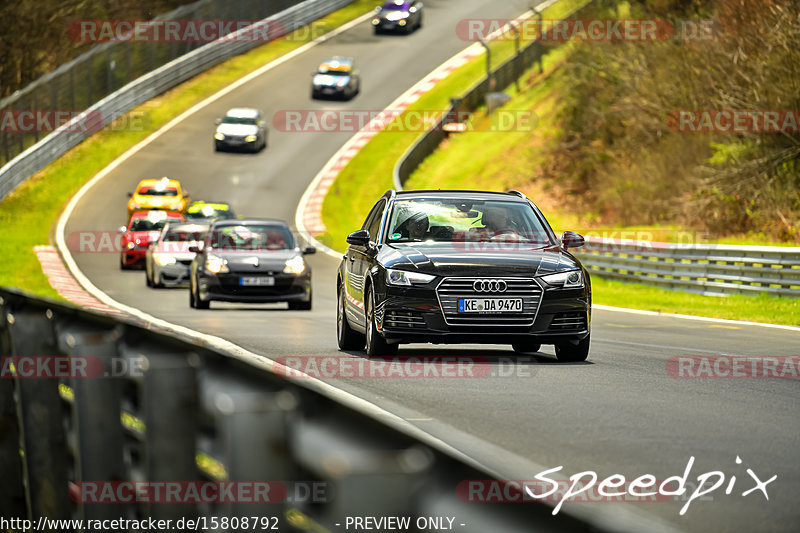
(253, 427)
(40, 410)
(171, 421)
(12, 490)
(95, 408)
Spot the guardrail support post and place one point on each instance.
(40, 412)
(96, 411)
(12, 489)
(253, 430)
(171, 421)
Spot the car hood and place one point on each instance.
(326, 80)
(454, 260)
(237, 129)
(141, 237)
(256, 261)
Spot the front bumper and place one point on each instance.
(236, 143)
(415, 315)
(172, 275)
(227, 288)
(327, 90)
(134, 257)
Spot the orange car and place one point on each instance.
(162, 194)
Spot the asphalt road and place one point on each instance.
(619, 413)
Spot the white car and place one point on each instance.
(242, 128)
(167, 260)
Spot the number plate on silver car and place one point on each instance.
(253, 281)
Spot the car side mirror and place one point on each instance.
(218, 121)
(359, 238)
(262, 123)
(570, 239)
(308, 250)
(195, 248)
(378, 9)
(130, 195)
(122, 229)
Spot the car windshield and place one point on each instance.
(208, 211)
(333, 72)
(240, 120)
(146, 224)
(464, 220)
(251, 237)
(154, 191)
(184, 236)
(395, 6)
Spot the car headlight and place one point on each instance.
(131, 245)
(567, 280)
(219, 136)
(376, 21)
(163, 260)
(401, 22)
(295, 265)
(401, 277)
(216, 265)
(250, 138)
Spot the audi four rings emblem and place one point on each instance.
(489, 285)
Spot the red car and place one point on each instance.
(142, 229)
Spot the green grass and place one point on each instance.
(762, 308)
(30, 211)
(499, 161)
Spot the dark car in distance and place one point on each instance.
(250, 260)
(336, 77)
(397, 16)
(462, 267)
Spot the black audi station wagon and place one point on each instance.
(462, 267)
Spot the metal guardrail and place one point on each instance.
(713, 269)
(702, 268)
(195, 414)
(138, 91)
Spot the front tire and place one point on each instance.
(301, 306)
(568, 352)
(375, 344)
(347, 337)
(194, 298)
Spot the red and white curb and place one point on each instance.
(66, 285)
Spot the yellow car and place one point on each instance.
(164, 194)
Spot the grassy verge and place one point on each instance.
(29, 212)
(513, 159)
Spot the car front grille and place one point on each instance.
(575, 321)
(451, 289)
